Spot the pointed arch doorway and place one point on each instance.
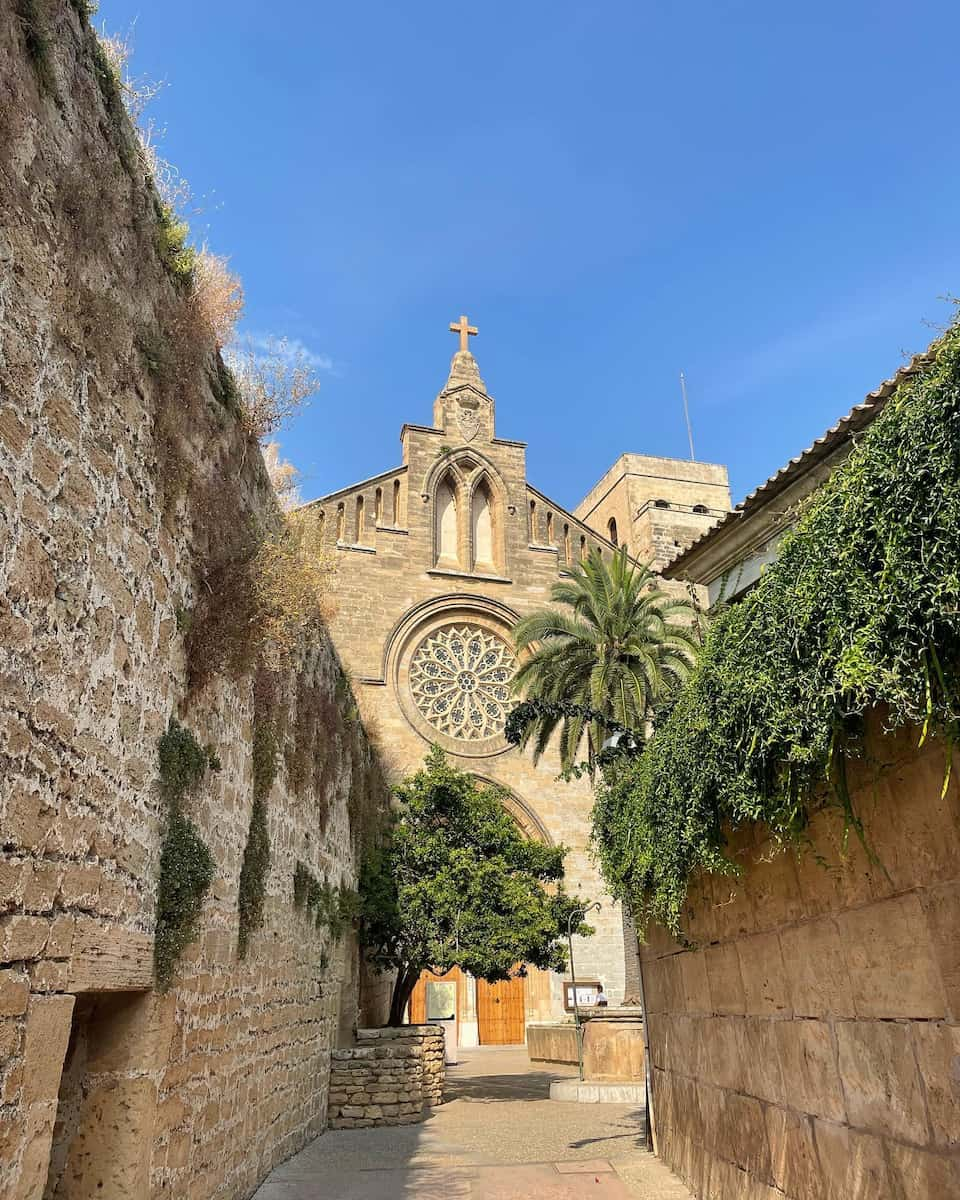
(494, 1014)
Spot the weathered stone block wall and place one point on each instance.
(106, 1087)
(391, 1077)
(809, 1046)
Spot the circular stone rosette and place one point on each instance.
(460, 682)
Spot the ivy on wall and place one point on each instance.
(330, 907)
(256, 854)
(186, 865)
(861, 608)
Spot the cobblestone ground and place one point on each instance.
(497, 1137)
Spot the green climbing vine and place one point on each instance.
(256, 854)
(861, 609)
(186, 865)
(331, 907)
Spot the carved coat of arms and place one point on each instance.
(468, 420)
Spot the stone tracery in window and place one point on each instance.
(459, 678)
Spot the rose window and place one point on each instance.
(460, 680)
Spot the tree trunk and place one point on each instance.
(402, 989)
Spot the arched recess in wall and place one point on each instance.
(522, 813)
(486, 528)
(612, 531)
(446, 523)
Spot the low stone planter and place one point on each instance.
(613, 1045)
(390, 1077)
(552, 1043)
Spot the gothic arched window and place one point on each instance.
(361, 524)
(533, 520)
(549, 528)
(396, 502)
(612, 530)
(378, 507)
(483, 528)
(566, 543)
(446, 525)
(340, 523)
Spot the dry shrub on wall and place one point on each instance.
(217, 296)
(259, 605)
(274, 381)
(284, 477)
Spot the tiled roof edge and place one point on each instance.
(857, 419)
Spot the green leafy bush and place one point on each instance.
(331, 908)
(253, 876)
(860, 610)
(176, 254)
(183, 762)
(453, 882)
(256, 854)
(186, 865)
(186, 872)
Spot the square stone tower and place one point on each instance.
(656, 506)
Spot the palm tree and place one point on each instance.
(617, 645)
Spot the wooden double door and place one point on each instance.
(500, 1012)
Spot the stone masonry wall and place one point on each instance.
(391, 1077)
(809, 1045)
(108, 1088)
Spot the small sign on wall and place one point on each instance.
(441, 1001)
(587, 993)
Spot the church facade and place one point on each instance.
(436, 559)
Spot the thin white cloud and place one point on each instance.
(292, 349)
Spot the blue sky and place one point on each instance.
(612, 192)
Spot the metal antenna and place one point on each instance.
(686, 415)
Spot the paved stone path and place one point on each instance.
(498, 1137)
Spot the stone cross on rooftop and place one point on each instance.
(464, 329)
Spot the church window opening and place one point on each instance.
(446, 524)
(583, 547)
(533, 520)
(396, 502)
(612, 530)
(661, 504)
(549, 528)
(378, 507)
(566, 543)
(460, 681)
(361, 530)
(483, 531)
(340, 523)
(700, 508)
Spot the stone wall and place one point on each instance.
(809, 1045)
(122, 472)
(390, 1077)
